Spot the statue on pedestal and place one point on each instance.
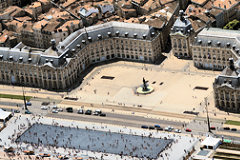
(145, 88)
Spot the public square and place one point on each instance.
(96, 141)
(67, 130)
(174, 83)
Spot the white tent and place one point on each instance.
(211, 143)
(4, 116)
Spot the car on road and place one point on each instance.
(60, 110)
(144, 127)
(69, 109)
(54, 111)
(177, 131)
(168, 128)
(234, 129)
(97, 112)
(88, 112)
(103, 115)
(16, 111)
(213, 128)
(188, 130)
(28, 112)
(44, 107)
(28, 103)
(151, 127)
(80, 111)
(226, 128)
(160, 129)
(54, 107)
(157, 126)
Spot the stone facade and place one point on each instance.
(181, 37)
(61, 66)
(213, 47)
(227, 89)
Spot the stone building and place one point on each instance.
(61, 66)
(213, 47)
(3, 5)
(181, 37)
(227, 88)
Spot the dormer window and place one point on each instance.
(99, 36)
(20, 59)
(89, 39)
(228, 44)
(153, 34)
(29, 60)
(10, 58)
(144, 36)
(209, 42)
(117, 33)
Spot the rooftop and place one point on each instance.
(225, 4)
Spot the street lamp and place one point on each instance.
(208, 122)
(24, 99)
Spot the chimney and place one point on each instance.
(231, 64)
(53, 43)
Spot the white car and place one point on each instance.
(60, 110)
(168, 128)
(54, 111)
(44, 107)
(54, 107)
(177, 131)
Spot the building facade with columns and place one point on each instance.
(59, 67)
(227, 88)
(182, 35)
(213, 47)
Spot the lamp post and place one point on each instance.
(24, 99)
(208, 122)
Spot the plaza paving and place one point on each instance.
(173, 82)
(20, 124)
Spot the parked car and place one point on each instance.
(151, 127)
(144, 127)
(103, 115)
(157, 126)
(177, 131)
(28, 103)
(54, 107)
(168, 128)
(69, 109)
(88, 112)
(16, 111)
(44, 107)
(60, 110)
(54, 111)
(80, 111)
(97, 112)
(188, 130)
(226, 128)
(213, 128)
(28, 112)
(234, 129)
(160, 129)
